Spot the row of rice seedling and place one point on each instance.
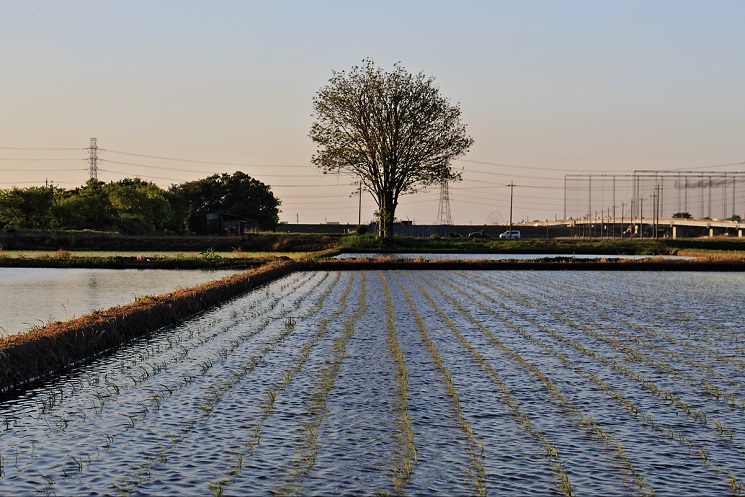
(220, 443)
(221, 386)
(276, 389)
(662, 427)
(573, 364)
(552, 452)
(317, 410)
(474, 449)
(405, 383)
(135, 411)
(406, 453)
(713, 355)
(671, 375)
(583, 420)
(700, 337)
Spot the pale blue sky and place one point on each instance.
(547, 88)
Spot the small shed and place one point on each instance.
(220, 223)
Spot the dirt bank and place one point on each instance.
(39, 353)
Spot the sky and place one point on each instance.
(178, 90)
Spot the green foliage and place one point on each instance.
(237, 194)
(392, 131)
(682, 215)
(27, 208)
(141, 206)
(369, 243)
(88, 207)
(210, 255)
(134, 206)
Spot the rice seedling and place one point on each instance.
(317, 411)
(215, 392)
(477, 472)
(623, 401)
(216, 488)
(407, 453)
(697, 414)
(642, 485)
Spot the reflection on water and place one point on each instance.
(34, 296)
(411, 383)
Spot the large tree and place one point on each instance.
(141, 206)
(392, 131)
(238, 194)
(87, 207)
(27, 207)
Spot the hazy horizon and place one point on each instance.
(176, 91)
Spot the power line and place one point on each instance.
(148, 166)
(192, 161)
(37, 170)
(500, 164)
(38, 148)
(36, 160)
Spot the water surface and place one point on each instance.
(35, 296)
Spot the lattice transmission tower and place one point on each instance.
(93, 159)
(443, 212)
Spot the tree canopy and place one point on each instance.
(237, 194)
(135, 206)
(392, 131)
(27, 207)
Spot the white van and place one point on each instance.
(510, 234)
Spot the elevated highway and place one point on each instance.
(638, 225)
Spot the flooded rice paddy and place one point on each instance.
(32, 297)
(408, 383)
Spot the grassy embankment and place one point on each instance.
(40, 352)
(105, 241)
(207, 259)
(70, 249)
(719, 247)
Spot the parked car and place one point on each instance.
(478, 234)
(510, 234)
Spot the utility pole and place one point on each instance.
(512, 186)
(657, 215)
(93, 159)
(641, 218)
(359, 208)
(614, 206)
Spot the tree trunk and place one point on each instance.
(386, 215)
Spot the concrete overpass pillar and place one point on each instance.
(711, 232)
(739, 232)
(675, 232)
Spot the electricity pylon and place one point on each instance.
(443, 212)
(93, 159)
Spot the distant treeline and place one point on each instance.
(134, 206)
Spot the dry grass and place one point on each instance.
(40, 352)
